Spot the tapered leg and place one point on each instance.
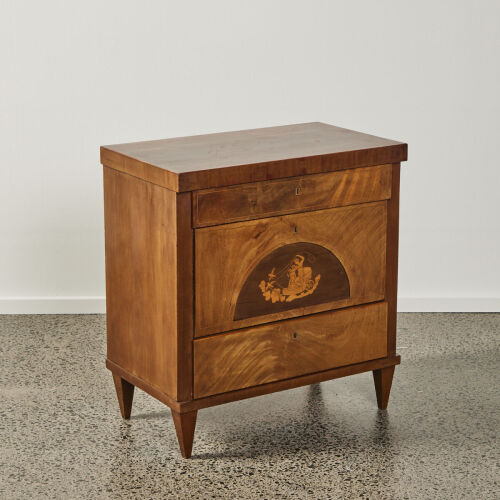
(185, 424)
(125, 393)
(383, 382)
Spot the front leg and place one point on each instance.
(185, 424)
(383, 382)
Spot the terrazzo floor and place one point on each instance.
(62, 437)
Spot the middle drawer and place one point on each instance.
(265, 270)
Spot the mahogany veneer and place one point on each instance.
(244, 263)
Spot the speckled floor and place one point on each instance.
(61, 435)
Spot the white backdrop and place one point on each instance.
(75, 75)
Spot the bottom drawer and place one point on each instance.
(289, 348)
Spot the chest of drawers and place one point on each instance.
(244, 263)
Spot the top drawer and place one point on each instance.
(295, 194)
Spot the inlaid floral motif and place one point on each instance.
(289, 283)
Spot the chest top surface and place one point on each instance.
(229, 158)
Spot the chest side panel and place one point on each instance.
(141, 279)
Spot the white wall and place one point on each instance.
(75, 75)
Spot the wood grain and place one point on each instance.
(229, 158)
(149, 283)
(185, 296)
(289, 348)
(297, 194)
(226, 255)
(391, 290)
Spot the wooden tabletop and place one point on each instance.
(228, 158)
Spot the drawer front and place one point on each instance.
(296, 194)
(254, 272)
(289, 348)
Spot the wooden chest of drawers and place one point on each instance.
(243, 263)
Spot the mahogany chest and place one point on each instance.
(243, 263)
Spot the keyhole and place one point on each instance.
(294, 335)
(297, 190)
(295, 229)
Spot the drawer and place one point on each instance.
(289, 348)
(254, 272)
(295, 194)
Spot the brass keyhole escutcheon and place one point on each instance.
(298, 190)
